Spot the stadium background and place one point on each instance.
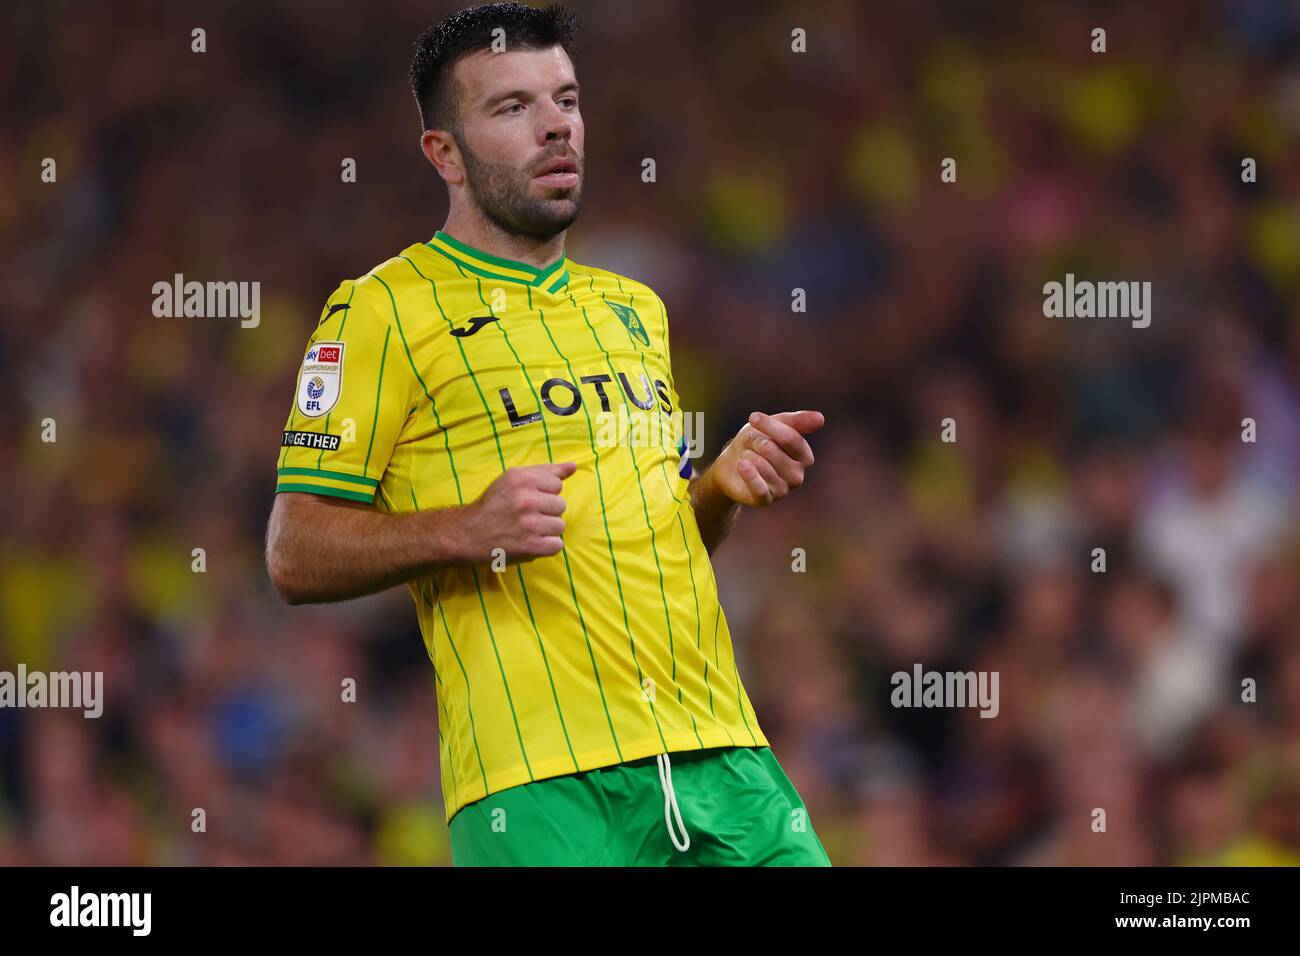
(775, 170)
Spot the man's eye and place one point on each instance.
(569, 102)
(513, 108)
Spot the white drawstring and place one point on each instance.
(670, 804)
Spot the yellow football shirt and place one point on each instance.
(423, 381)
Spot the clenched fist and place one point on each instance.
(520, 512)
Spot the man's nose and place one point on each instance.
(556, 125)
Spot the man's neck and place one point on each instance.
(487, 237)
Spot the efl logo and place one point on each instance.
(321, 379)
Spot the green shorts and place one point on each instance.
(724, 806)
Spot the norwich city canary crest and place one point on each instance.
(630, 319)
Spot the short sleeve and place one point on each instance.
(352, 397)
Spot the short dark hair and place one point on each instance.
(443, 44)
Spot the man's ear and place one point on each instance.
(440, 148)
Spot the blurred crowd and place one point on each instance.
(1162, 687)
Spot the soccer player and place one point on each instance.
(452, 431)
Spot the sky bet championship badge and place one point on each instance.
(321, 379)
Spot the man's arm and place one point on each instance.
(767, 458)
(715, 513)
(330, 549)
(327, 549)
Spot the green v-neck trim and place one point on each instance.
(550, 279)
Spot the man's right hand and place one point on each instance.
(321, 548)
(520, 513)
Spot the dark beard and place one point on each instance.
(501, 192)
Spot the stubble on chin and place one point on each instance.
(501, 192)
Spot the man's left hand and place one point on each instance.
(767, 458)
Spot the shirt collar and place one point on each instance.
(552, 278)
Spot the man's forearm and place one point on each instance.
(318, 551)
(715, 513)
